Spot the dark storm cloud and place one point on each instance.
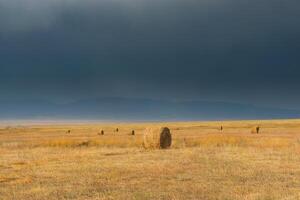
(187, 49)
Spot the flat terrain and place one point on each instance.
(45, 161)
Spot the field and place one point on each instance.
(44, 161)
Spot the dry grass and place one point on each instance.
(43, 162)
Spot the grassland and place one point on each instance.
(43, 161)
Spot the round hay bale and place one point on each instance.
(157, 138)
(101, 132)
(255, 130)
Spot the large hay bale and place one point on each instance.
(101, 132)
(255, 130)
(157, 138)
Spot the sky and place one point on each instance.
(245, 51)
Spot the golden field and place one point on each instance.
(44, 161)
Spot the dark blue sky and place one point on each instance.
(245, 51)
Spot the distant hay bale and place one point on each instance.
(68, 131)
(255, 130)
(117, 129)
(157, 138)
(101, 132)
(132, 132)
